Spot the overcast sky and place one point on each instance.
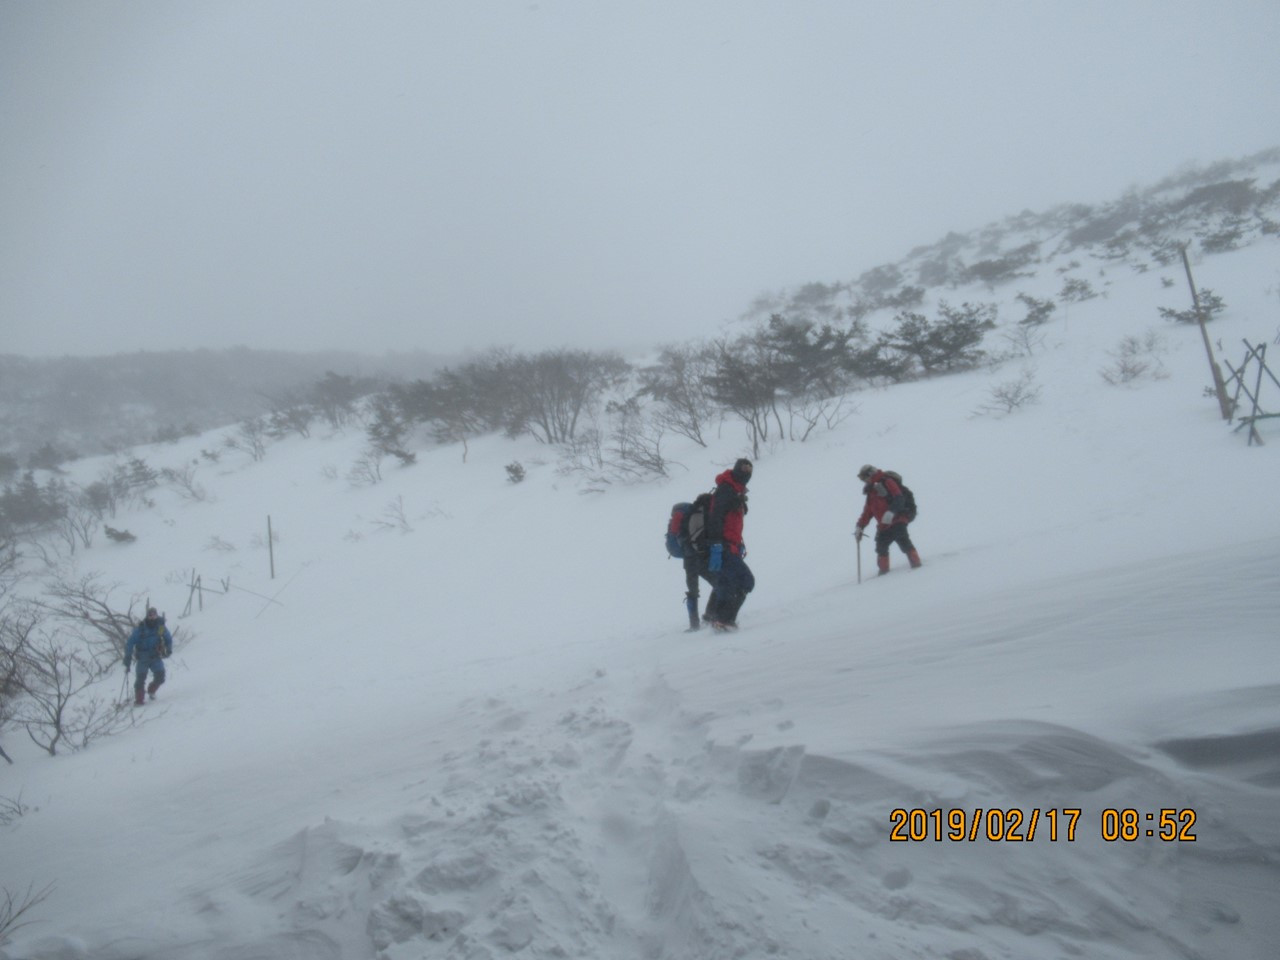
(454, 174)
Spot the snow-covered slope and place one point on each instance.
(486, 735)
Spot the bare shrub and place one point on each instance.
(393, 517)
(1023, 339)
(805, 413)
(635, 442)
(11, 808)
(630, 452)
(250, 437)
(1004, 398)
(78, 527)
(367, 470)
(14, 907)
(183, 480)
(1136, 358)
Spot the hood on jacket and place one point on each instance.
(729, 478)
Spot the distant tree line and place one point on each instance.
(781, 378)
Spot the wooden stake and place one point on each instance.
(1219, 388)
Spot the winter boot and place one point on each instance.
(152, 687)
(882, 562)
(137, 697)
(691, 605)
(914, 559)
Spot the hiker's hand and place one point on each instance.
(717, 557)
(859, 533)
(888, 517)
(127, 665)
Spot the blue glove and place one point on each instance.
(716, 558)
(127, 665)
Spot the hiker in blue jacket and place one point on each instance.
(150, 642)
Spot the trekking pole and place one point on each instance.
(858, 540)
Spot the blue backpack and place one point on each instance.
(685, 528)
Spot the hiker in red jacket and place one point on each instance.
(726, 551)
(886, 503)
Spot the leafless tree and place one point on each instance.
(677, 383)
(807, 413)
(8, 563)
(58, 708)
(78, 527)
(552, 391)
(87, 603)
(12, 640)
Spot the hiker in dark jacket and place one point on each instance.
(886, 503)
(150, 643)
(726, 551)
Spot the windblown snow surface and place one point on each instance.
(483, 733)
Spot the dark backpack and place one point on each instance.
(686, 526)
(908, 497)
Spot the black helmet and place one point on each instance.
(742, 470)
(867, 472)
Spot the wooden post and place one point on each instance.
(271, 548)
(1219, 388)
(1257, 392)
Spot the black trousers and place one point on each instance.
(695, 567)
(894, 533)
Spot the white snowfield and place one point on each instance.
(488, 736)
